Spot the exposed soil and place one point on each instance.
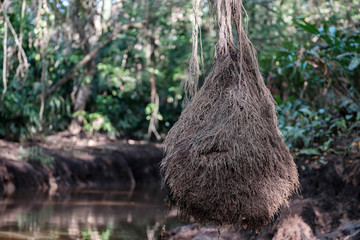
(328, 206)
(63, 161)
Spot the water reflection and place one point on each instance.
(83, 214)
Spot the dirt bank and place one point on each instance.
(63, 161)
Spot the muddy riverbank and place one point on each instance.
(62, 162)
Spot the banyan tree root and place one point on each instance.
(225, 161)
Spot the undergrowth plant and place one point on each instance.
(96, 122)
(314, 131)
(38, 155)
(316, 85)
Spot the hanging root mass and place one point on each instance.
(225, 161)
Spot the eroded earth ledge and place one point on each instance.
(61, 162)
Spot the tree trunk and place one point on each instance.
(83, 92)
(154, 96)
(82, 97)
(4, 66)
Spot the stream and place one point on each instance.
(85, 214)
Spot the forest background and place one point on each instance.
(119, 67)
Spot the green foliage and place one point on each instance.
(310, 60)
(36, 154)
(317, 82)
(312, 132)
(91, 234)
(321, 69)
(96, 122)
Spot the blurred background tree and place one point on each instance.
(118, 66)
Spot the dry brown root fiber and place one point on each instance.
(225, 161)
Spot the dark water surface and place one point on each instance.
(84, 214)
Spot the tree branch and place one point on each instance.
(2, 6)
(4, 65)
(17, 41)
(20, 68)
(68, 76)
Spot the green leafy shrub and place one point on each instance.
(322, 68)
(313, 131)
(316, 84)
(96, 122)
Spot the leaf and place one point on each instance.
(37, 57)
(301, 23)
(305, 111)
(278, 100)
(79, 113)
(332, 30)
(354, 63)
(310, 151)
(341, 56)
(326, 144)
(149, 108)
(348, 117)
